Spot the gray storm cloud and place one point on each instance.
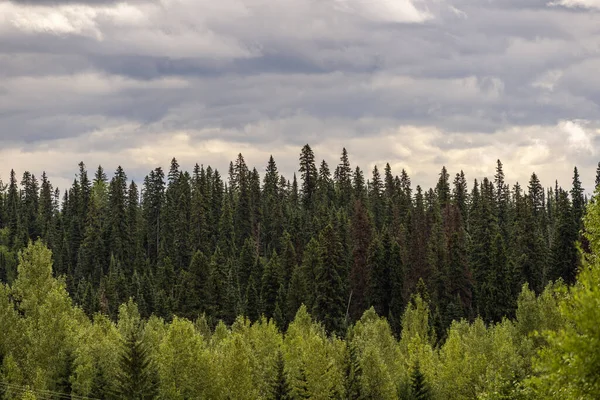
(414, 83)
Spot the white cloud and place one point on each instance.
(385, 10)
(579, 139)
(577, 3)
(548, 80)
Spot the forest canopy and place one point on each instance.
(327, 286)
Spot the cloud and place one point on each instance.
(578, 138)
(417, 83)
(577, 3)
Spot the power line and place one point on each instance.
(44, 394)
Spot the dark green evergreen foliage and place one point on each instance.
(597, 181)
(384, 265)
(297, 293)
(279, 315)
(137, 378)
(564, 256)
(419, 387)
(271, 280)
(301, 389)
(280, 386)
(13, 205)
(376, 198)
(353, 371)
(252, 296)
(361, 269)
(196, 294)
(330, 291)
(343, 180)
(288, 258)
(186, 244)
(272, 209)
(309, 174)
(460, 194)
(442, 190)
(577, 201)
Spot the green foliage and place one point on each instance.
(568, 367)
(439, 293)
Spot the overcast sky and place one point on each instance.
(416, 83)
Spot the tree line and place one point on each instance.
(190, 244)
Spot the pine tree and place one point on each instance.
(330, 291)
(136, 379)
(442, 189)
(270, 285)
(13, 203)
(360, 271)
(376, 199)
(280, 389)
(460, 193)
(577, 200)
(419, 387)
(297, 293)
(353, 372)
(272, 208)
(309, 176)
(46, 209)
(343, 180)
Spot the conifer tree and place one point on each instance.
(376, 199)
(577, 201)
(360, 270)
(46, 209)
(136, 379)
(419, 387)
(443, 188)
(343, 180)
(353, 371)
(309, 176)
(280, 389)
(330, 296)
(270, 285)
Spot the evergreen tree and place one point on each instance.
(280, 389)
(360, 271)
(270, 285)
(352, 372)
(419, 387)
(577, 200)
(136, 378)
(309, 176)
(443, 188)
(376, 199)
(330, 296)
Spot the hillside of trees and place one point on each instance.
(331, 285)
(50, 349)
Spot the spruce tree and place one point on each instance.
(352, 371)
(270, 285)
(330, 291)
(280, 388)
(309, 176)
(419, 387)
(343, 180)
(136, 378)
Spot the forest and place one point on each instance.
(326, 286)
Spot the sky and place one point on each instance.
(420, 84)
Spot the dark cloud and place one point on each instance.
(287, 72)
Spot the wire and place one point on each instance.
(44, 394)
